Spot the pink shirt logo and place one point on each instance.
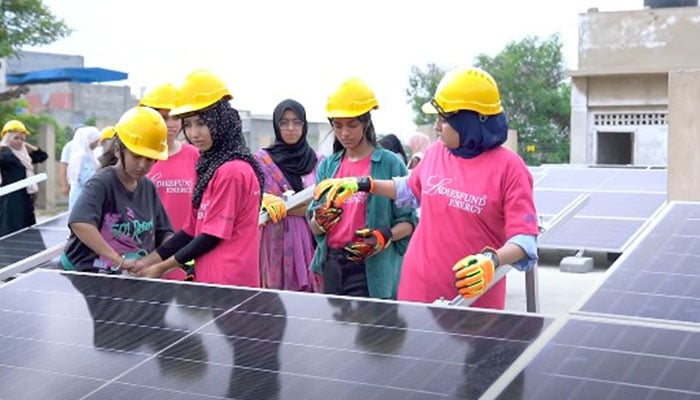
(440, 186)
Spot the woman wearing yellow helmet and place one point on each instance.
(17, 159)
(476, 198)
(221, 232)
(119, 217)
(361, 239)
(176, 176)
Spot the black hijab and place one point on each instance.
(294, 160)
(224, 124)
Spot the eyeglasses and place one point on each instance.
(293, 123)
(441, 112)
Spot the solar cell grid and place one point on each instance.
(603, 360)
(659, 278)
(169, 340)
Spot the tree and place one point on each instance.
(421, 88)
(536, 95)
(28, 23)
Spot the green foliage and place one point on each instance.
(28, 23)
(536, 96)
(421, 88)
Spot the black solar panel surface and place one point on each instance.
(73, 336)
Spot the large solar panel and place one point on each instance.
(77, 336)
(621, 200)
(30, 241)
(660, 277)
(608, 360)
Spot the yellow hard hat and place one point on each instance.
(466, 89)
(143, 132)
(352, 99)
(201, 89)
(107, 133)
(162, 97)
(14, 126)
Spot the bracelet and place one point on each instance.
(118, 267)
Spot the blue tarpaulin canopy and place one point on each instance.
(83, 75)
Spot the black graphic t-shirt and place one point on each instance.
(132, 223)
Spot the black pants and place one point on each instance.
(344, 277)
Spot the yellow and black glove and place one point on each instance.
(274, 207)
(474, 273)
(326, 217)
(369, 242)
(337, 190)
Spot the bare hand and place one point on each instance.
(30, 147)
(154, 271)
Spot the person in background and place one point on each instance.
(221, 233)
(63, 164)
(418, 144)
(392, 143)
(119, 217)
(361, 240)
(17, 159)
(287, 247)
(478, 209)
(82, 163)
(107, 135)
(175, 177)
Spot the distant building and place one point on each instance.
(619, 98)
(69, 102)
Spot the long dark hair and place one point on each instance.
(370, 134)
(391, 142)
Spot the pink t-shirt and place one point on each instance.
(354, 208)
(229, 210)
(174, 179)
(466, 204)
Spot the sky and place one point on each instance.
(269, 50)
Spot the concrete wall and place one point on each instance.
(639, 40)
(71, 103)
(26, 61)
(621, 84)
(684, 135)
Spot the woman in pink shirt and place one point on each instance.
(221, 231)
(175, 177)
(476, 198)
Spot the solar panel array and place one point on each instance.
(29, 241)
(78, 336)
(636, 336)
(621, 202)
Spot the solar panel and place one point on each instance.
(69, 335)
(589, 359)
(621, 201)
(25, 243)
(659, 278)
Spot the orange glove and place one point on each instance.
(337, 190)
(326, 217)
(473, 273)
(274, 206)
(369, 243)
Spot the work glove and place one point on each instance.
(473, 273)
(274, 207)
(369, 242)
(337, 190)
(326, 217)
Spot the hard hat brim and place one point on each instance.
(428, 108)
(148, 153)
